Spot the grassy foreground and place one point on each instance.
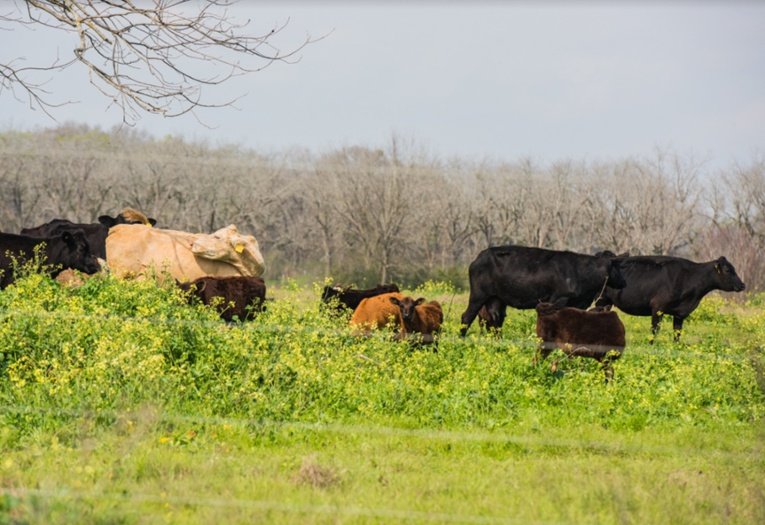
(121, 404)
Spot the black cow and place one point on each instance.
(658, 285)
(95, 233)
(238, 296)
(521, 277)
(68, 250)
(492, 315)
(350, 298)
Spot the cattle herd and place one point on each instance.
(223, 270)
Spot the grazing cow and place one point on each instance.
(521, 277)
(350, 298)
(492, 315)
(418, 317)
(68, 250)
(134, 250)
(94, 233)
(239, 296)
(595, 334)
(377, 312)
(658, 285)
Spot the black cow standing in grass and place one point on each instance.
(521, 277)
(658, 285)
(68, 250)
(350, 298)
(95, 233)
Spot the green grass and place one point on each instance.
(121, 404)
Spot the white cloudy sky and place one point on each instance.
(501, 80)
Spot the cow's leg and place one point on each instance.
(500, 317)
(677, 325)
(655, 320)
(474, 305)
(497, 312)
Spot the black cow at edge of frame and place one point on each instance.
(522, 277)
(658, 285)
(68, 250)
(95, 233)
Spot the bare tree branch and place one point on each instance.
(144, 56)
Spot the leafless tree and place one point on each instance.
(368, 215)
(736, 227)
(144, 56)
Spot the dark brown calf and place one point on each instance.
(419, 317)
(595, 334)
(241, 296)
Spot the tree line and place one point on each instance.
(394, 213)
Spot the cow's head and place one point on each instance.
(331, 291)
(228, 245)
(407, 307)
(727, 279)
(75, 253)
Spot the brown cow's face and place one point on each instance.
(407, 307)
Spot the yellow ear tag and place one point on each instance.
(239, 248)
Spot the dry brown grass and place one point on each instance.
(315, 475)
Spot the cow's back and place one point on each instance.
(94, 233)
(651, 281)
(377, 311)
(240, 296)
(580, 327)
(135, 250)
(431, 316)
(521, 276)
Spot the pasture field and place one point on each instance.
(119, 403)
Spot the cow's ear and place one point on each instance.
(107, 221)
(718, 266)
(419, 301)
(395, 301)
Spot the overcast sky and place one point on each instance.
(574, 80)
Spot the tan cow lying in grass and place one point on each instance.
(134, 250)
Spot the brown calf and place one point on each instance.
(595, 334)
(419, 317)
(241, 296)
